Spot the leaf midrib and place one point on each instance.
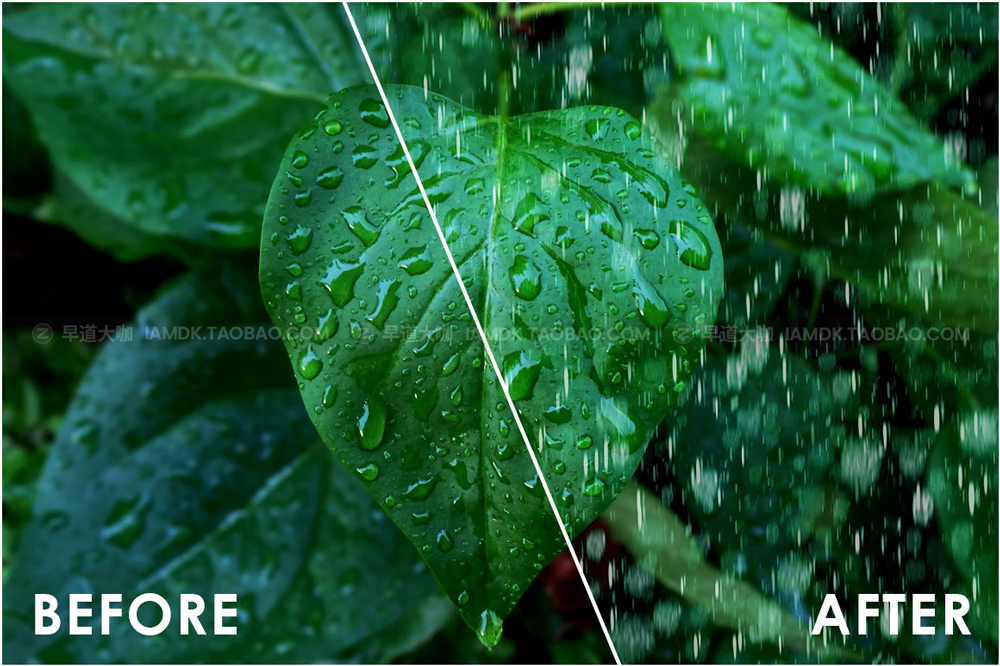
(230, 518)
(500, 146)
(206, 75)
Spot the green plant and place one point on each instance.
(657, 210)
(593, 269)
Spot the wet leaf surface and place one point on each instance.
(770, 92)
(594, 270)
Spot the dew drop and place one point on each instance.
(364, 157)
(421, 489)
(374, 113)
(339, 281)
(300, 239)
(310, 363)
(521, 372)
(371, 423)
(330, 178)
(416, 260)
(525, 278)
(693, 248)
(444, 542)
(368, 472)
(357, 222)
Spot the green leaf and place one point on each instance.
(924, 251)
(659, 539)
(757, 273)
(189, 466)
(172, 117)
(464, 54)
(593, 269)
(989, 193)
(773, 94)
(758, 269)
(31, 177)
(70, 207)
(436, 45)
(962, 480)
(752, 455)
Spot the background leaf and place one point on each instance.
(767, 90)
(961, 479)
(186, 465)
(172, 118)
(69, 206)
(924, 251)
(665, 545)
(944, 49)
(753, 455)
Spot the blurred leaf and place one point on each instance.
(185, 465)
(753, 453)
(171, 117)
(70, 207)
(989, 184)
(944, 48)
(766, 89)
(608, 55)
(583, 56)
(38, 381)
(663, 543)
(924, 251)
(952, 370)
(962, 482)
(22, 465)
(943, 375)
(436, 46)
(757, 269)
(396, 369)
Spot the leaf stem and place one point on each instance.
(505, 63)
(536, 9)
(503, 95)
(477, 12)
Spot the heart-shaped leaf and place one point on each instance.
(593, 268)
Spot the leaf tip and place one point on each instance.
(490, 628)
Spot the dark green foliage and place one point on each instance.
(190, 466)
(194, 102)
(839, 436)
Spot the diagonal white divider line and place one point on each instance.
(482, 334)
